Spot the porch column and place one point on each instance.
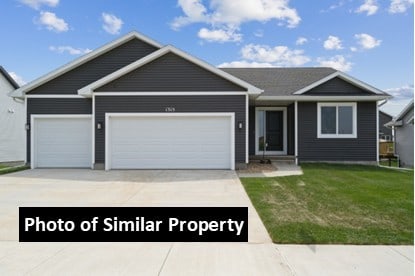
(296, 131)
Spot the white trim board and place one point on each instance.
(247, 130)
(33, 117)
(54, 96)
(284, 120)
(305, 98)
(190, 93)
(88, 90)
(377, 133)
(231, 116)
(83, 59)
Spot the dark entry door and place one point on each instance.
(274, 131)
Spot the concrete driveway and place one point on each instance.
(131, 188)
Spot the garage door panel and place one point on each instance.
(176, 142)
(62, 142)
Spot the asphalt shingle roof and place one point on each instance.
(280, 81)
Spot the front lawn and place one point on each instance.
(5, 169)
(341, 204)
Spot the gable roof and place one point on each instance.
(280, 81)
(295, 81)
(81, 60)
(397, 121)
(8, 77)
(88, 90)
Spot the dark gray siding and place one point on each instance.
(55, 106)
(170, 73)
(224, 103)
(70, 82)
(337, 87)
(363, 148)
(383, 119)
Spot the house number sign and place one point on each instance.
(170, 109)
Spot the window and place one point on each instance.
(336, 120)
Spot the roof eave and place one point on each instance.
(405, 110)
(306, 98)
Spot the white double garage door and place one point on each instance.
(136, 141)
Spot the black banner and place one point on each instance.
(133, 224)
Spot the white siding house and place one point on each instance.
(404, 135)
(12, 130)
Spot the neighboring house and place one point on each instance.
(385, 133)
(135, 104)
(403, 125)
(12, 132)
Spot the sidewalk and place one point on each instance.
(350, 260)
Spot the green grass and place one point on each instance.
(5, 170)
(385, 162)
(336, 204)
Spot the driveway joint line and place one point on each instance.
(396, 251)
(285, 261)
(165, 259)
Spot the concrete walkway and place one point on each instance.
(356, 260)
(283, 168)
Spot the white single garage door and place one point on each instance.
(176, 141)
(62, 142)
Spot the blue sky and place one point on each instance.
(372, 40)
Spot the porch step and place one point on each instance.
(273, 157)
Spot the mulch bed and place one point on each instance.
(256, 167)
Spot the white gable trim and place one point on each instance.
(88, 90)
(81, 60)
(344, 77)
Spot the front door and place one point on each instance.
(271, 130)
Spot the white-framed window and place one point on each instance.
(336, 120)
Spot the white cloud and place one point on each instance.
(52, 22)
(36, 4)
(338, 62)
(278, 55)
(69, 49)
(219, 35)
(400, 6)
(401, 97)
(194, 12)
(367, 41)
(301, 41)
(245, 64)
(333, 43)
(370, 7)
(401, 93)
(20, 81)
(112, 24)
(230, 14)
